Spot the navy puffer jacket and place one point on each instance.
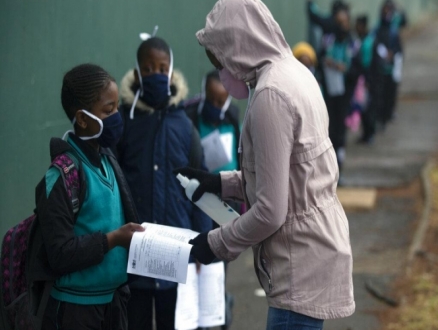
(154, 143)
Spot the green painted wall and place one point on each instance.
(41, 40)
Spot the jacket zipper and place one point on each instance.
(159, 127)
(154, 220)
(267, 275)
(262, 268)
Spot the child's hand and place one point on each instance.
(123, 235)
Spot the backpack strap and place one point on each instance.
(69, 165)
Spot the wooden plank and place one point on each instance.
(357, 198)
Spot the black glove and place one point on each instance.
(201, 250)
(208, 182)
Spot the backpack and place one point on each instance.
(22, 300)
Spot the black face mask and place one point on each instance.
(211, 114)
(111, 129)
(385, 20)
(155, 90)
(340, 33)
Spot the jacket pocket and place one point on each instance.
(262, 267)
(321, 259)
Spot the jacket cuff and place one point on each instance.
(217, 247)
(231, 185)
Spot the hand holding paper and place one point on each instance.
(161, 252)
(201, 249)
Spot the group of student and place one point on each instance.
(128, 142)
(358, 71)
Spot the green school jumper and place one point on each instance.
(102, 211)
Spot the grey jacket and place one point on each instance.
(295, 224)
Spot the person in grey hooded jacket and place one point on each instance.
(295, 223)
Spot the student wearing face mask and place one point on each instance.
(387, 62)
(158, 137)
(320, 24)
(295, 223)
(85, 248)
(340, 71)
(215, 111)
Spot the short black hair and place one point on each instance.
(339, 5)
(152, 43)
(82, 86)
(212, 75)
(362, 19)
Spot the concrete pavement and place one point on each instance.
(381, 237)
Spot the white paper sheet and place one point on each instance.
(382, 51)
(201, 301)
(215, 152)
(212, 295)
(160, 252)
(187, 302)
(397, 71)
(334, 80)
(227, 143)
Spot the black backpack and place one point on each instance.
(25, 275)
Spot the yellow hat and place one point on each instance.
(304, 49)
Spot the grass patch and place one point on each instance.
(419, 308)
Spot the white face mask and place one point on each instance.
(95, 118)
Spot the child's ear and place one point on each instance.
(81, 119)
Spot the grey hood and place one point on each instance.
(243, 36)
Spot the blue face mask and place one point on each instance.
(211, 114)
(155, 90)
(111, 129)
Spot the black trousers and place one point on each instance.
(60, 315)
(381, 106)
(142, 304)
(337, 107)
(369, 117)
(390, 88)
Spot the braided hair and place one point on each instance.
(82, 86)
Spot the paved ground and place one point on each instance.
(381, 237)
